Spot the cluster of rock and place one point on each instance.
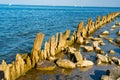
(46, 59)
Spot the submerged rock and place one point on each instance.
(45, 65)
(64, 63)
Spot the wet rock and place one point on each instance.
(116, 60)
(119, 33)
(97, 49)
(113, 27)
(52, 58)
(86, 42)
(105, 33)
(45, 65)
(102, 44)
(73, 54)
(112, 52)
(80, 40)
(118, 40)
(117, 24)
(64, 63)
(88, 48)
(36, 47)
(85, 63)
(97, 39)
(102, 59)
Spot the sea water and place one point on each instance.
(19, 24)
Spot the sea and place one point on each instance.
(19, 24)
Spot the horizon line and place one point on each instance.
(56, 5)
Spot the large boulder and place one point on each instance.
(45, 65)
(64, 63)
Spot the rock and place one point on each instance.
(105, 33)
(95, 44)
(45, 65)
(102, 58)
(118, 40)
(118, 78)
(73, 54)
(36, 47)
(96, 39)
(119, 33)
(116, 60)
(80, 40)
(85, 63)
(88, 48)
(105, 77)
(64, 63)
(113, 27)
(117, 24)
(112, 52)
(52, 58)
(102, 44)
(86, 42)
(97, 49)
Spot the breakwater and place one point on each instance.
(56, 44)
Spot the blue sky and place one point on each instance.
(110, 3)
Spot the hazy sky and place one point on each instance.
(110, 3)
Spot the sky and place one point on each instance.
(106, 3)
